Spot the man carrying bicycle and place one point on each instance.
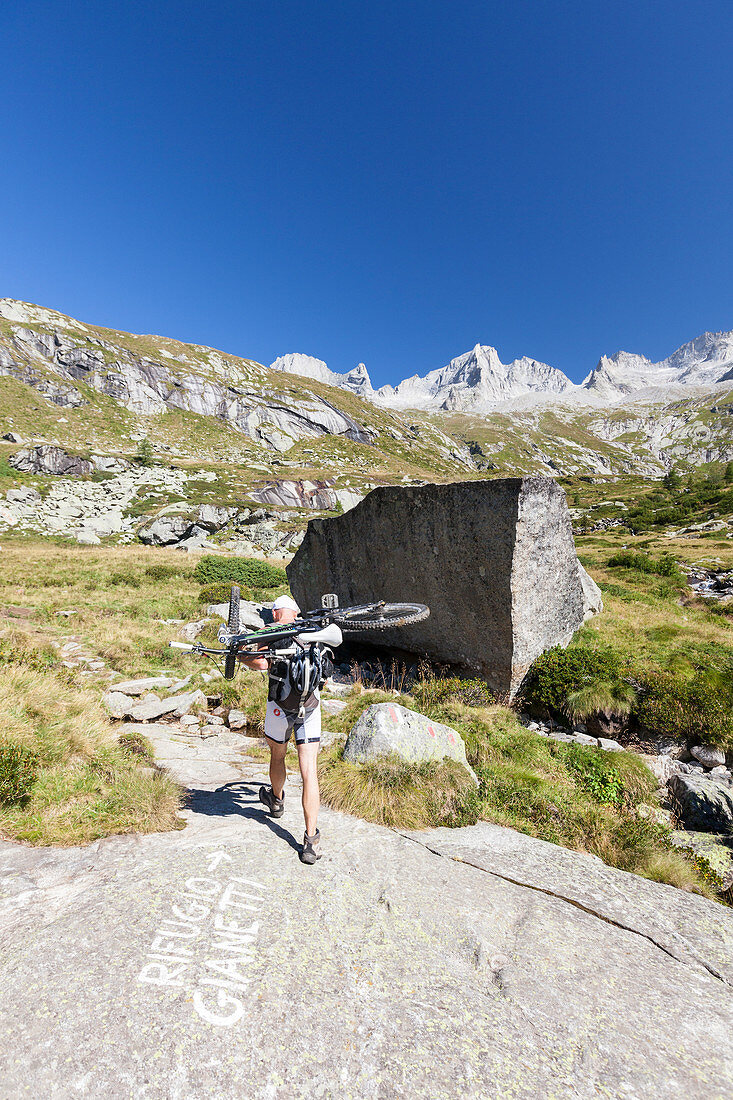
(289, 712)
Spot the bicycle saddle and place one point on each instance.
(330, 635)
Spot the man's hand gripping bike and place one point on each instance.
(311, 626)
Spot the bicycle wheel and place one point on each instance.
(230, 661)
(233, 621)
(379, 616)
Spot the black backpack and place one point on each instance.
(295, 677)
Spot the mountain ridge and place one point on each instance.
(477, 381)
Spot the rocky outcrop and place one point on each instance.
(386, 729)
(494, 560)
(306, 494)
(48, 459)
(702, 803)
(198, 380)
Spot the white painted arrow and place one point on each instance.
(215, 858)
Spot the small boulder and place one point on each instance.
(708, 755)
(214, 720)
(585, 739)
(117, 704)
(386, 728)
(236, 720)
(702, 803)
(186, 703)
(139, 687)
(605, 724)
(191, 630)
(333, 706)
(610, 745)
(151, 708)
(213, 518)
(165, 530)
(86, 537)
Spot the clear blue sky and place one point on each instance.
(390, 182)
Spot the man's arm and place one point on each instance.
(259, 664)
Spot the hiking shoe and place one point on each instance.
(311, 848)
(276, 806)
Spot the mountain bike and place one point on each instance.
(312, 627)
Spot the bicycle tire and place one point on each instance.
(233, 621)
(379, 616)
(230, 666)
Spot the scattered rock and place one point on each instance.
(165, 530)
(86, 537)
(236, 719)
(708, 755)
(610, 745)
(334, 688)
(662, 766)
(585, 739)
(249, 613)
(386, 728)
(503, 584)
(186, 703)
(151, 708)
(702, 803)
(191, 630)
(212, 518)
(713, 851)
(179, 685)
(190, 720)
(210, 730)
(333, 706)
(214, 720)
(656, 814)
(118, 704)
(139, 687)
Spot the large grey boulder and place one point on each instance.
(494, 560)
(702, 803)
(386, 729)
(165, 530)
(49, 459)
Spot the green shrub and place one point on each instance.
(694, 709)
(558, 673)
(220, 593)
(599, 696)
(18, 770)
(161, 572)
(248, 571)
(631, 559)
(595, 773)
(128, 580)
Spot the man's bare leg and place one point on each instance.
(277, 767)
(307, 760)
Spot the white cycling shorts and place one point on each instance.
(279, 725)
